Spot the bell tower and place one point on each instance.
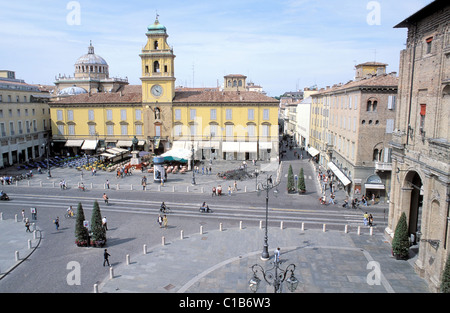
(158, 75)
(158, 87)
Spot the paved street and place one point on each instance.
(216, 261)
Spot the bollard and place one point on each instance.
(240, 224)
(260, 224)
(131, 187)
(111, 272)
(29, 243)
(303, 226)
(324, 228)
(128, 259)
(245, 188)
(173, 188)
(220, 227)
(371, 231)
(201, 229)
(202, 189)
(359, 230)
(159, 187)
(40, 184)
(1, 216)
(15, 218)
(187, 189)
(163, 241)
(144, 248)
(17, 255)
(181, 234)
(95, 288)
(281, 225)
(346, 229)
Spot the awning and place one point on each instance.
(230, 146)
(124, 143)
(108, 155)
(180, 155)
(265, 145)
(313, 152)
(374, 186)
(74, 143)
(248, 147)
(89, 145)
(339, 174)
(209, 144)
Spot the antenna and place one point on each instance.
(193, 75)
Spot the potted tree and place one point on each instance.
(81, 232)
(400, 242)
(301, 187)
(445, 283)
(98, 236)
(290, 182)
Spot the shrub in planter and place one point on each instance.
(445, 283)
(290, 182)
(98, 232)
(400, 243)
(81, 232)
(301, 182)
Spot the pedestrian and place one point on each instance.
(235, 186)
(366, 219)
(229, 190)
(104, 223)
(27, 225)
(106, 255)
(165, 221)
(33, 213)
(160, 221)
(105, 197)
(107, 184)
(56, 222)
(331, 198)
(370, 220)
(277, 255)
(23, 216)
(210, 170)
(213, 191)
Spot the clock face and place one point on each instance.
(157, 90)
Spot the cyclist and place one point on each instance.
(163, 208)
(70, 211)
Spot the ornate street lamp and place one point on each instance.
(275, 276)
(267, 186)
(193, 163)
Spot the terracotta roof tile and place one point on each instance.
(222, 97)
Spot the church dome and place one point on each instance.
(91, 58)
(71, 91)
(156, 28)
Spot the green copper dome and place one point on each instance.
(156, 28)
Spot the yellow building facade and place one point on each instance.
(221, 124)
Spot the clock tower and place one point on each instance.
(158, 87)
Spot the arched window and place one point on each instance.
(155, 45)
(240, 83)
(369, 105)
(156, 67)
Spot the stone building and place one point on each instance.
(351, 129)
(24, 120)
(420, 143)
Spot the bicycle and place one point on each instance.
(165, 210)
(67, 215)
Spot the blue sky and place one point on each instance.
(282, 45)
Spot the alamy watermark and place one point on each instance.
(74, 16)
(374, 15)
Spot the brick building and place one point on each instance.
(420, 143)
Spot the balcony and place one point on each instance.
(383, 166)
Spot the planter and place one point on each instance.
(82, 243)
(98, 243)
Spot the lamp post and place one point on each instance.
(274, 276)
(47, 148)
(267, 186)
(193, 163)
